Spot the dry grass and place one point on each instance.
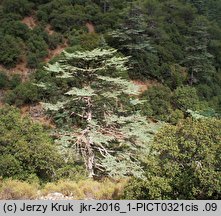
(84, 189)
(14, 189)
(66, 187)
(87, 189)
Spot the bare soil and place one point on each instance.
(21, 68)
(57, 51)
(90, 26)
(145, 85)
(49, 29)
(29, 21)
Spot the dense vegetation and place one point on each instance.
(183, 163)
(136, 95)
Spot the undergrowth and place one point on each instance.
(83, 189)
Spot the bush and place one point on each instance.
(14, 81)
(63, 22)
(159, 101)
(16, 29)
(22, 94)
(87, 41)
(21, 7)
(173, 75)
(204, 91)
(186, 97)
(11, 81)
(54, 40)
(184, 163)
(72, 171)
(9, 166)
(26, 148)
(3, 80)
(10, 51)
(66, 187)
(32, 60)
(85, 189)
(175, 116)
(37, 47)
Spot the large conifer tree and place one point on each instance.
(132, 39)
(111, 133)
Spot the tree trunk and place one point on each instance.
(90, 159)
(89, 144)
(191, 78)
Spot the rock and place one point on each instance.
(56, 196)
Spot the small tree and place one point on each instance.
(198, 59)
(10, 51)
(109, 134)
(132, 39)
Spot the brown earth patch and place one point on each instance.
(29, 21)
(90, 27)
(57, 51)
(145, 85)
(21, 68)
(49, 29)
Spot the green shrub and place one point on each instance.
(158, 101)
(54, 40)
(175, 116)
(15, 29)
(22, 7)
(32, 60)
(14, 81)
(26, 148)
(22, 94)
(205, 91)
(9, 166)
(87, 41)
(72, 171)
(186, 97)
(184, 163)
(3, 80)
(10, 50)
(173, 75)
(37, 47)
